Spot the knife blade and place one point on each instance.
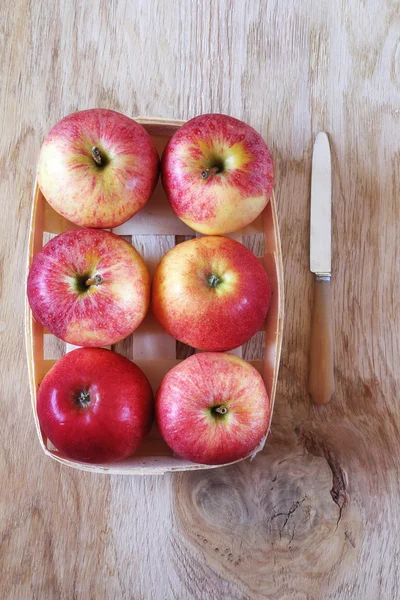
(321, 375)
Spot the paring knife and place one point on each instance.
(321, 378)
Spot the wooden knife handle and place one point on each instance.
(321, 383)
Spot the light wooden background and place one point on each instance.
(316, 516)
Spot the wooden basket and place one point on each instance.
(155, 219)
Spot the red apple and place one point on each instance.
(217, 173)
(211, 293)
(97, 168)
(95, 405)
(212, 408)
(89, 287)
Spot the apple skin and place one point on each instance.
(84, 192)
(187, 402)
(99, 314)
(205, 317)
(95, 405)
(226, 200)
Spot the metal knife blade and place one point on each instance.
(321, 208)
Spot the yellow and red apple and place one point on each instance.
(89, 287)
(213, 408)
(217, 173)
(97, 168)
(211, 293)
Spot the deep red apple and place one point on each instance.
(89, 287)
(212, 408)
(95, 405)
(211, 293)
(217, 173)
(97, 168)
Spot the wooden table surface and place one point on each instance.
(316, 515)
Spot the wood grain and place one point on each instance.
(316, 515)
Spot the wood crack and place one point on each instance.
(338, 490)
(317, 447)
(287, 516)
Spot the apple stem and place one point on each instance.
(96, 155)
(83, 399)
(96, 280)
(207, 172)
(221, 410)
(213, 281)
